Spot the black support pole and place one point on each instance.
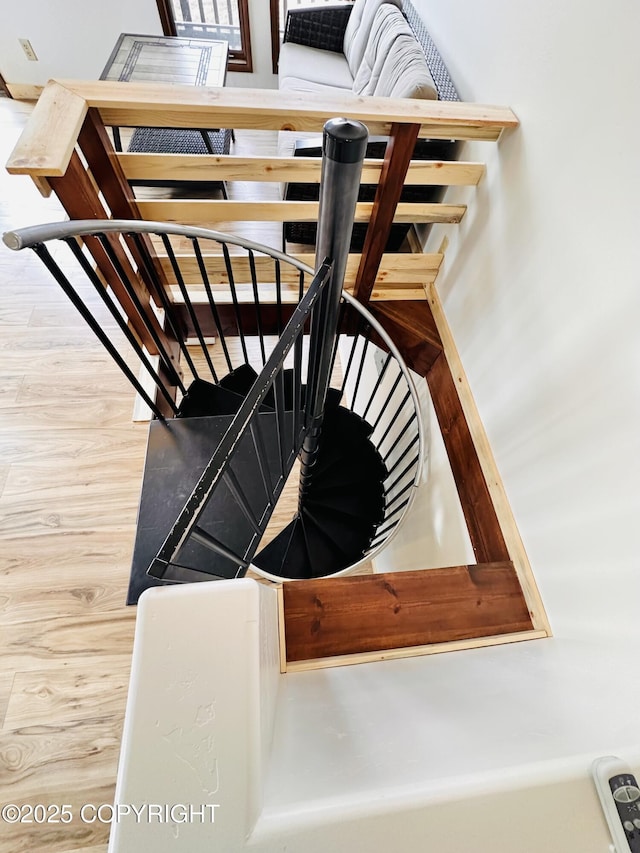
(344, 145)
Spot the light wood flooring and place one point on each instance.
(70, 471)
(70, 467)
(71, 463)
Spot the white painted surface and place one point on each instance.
(434, 533)
(540, 287)
(72, 38)
(200, 712)
(489, 746)
(262, 76)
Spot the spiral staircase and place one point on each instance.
(328, 395)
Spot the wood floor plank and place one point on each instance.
(6, 685)
(65, 639)
(46, 697)
(74, 575)
(58, 446)
(74, 837)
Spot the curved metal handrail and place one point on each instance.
(35, 236)
(28, 237)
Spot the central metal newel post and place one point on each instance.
(344, 145)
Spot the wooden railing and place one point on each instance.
(66, 148)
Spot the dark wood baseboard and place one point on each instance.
(368, 613)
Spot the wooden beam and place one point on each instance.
(199, 211)
(417, 319)
(484, 528)
(202, 167)
(407, 652)
(418, 347)
(395, 269)
(478, 438)
(107, 173)
(394, 170)
(79, 198)
(46, 144)
(164, 105)
(353, 615)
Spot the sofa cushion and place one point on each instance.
(314, 65)
(405, 73)
(393, 64)
(359, 26)
(299, 84)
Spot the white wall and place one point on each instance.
(74, 38)
(262, 76)
(71, 38)
(541, 286)
(541, 289)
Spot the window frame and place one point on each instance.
(239, 60)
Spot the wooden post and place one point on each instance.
(394, 170)
(80, 199)
(479, 511)
(107, 172)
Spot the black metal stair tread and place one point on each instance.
(177, 453)
(271, 557)
(286, 556)
(346, 424)
(325, 557)
(206, 399)
(365, 505)
(240, 380)
(362, 475)
(362, 460)
(349, 534)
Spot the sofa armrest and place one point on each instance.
(321, 26)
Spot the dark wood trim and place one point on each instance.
(274, 10)
(417, 349)
(77, 194)
(242, 60)
(105, 167)
(479, 511)
(415, 317)
(4, 87)
(394, 170)
(270, 323)
(239, 60)
(368, 613)
(166, 17)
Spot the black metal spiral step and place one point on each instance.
(341, 509)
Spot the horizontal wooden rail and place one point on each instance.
(200, 211)
(201, 167)
(391, 293)
(395, 268)
(401, 277)
(367, 613)
(45, 149)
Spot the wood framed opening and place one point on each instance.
(227, 20)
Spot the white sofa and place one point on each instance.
(368, 48)
(379, 56)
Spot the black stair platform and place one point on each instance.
(343, 505)
(178, 451)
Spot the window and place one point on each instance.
(279, 9)
(227, 20)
